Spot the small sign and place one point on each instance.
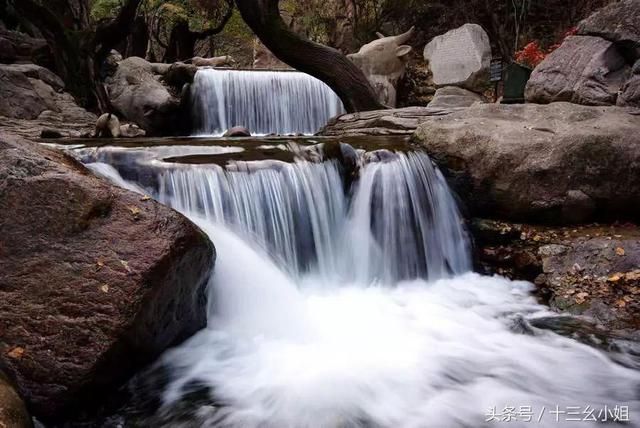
(496, 70)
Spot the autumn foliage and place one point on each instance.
(533, 54)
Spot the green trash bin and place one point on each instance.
(516, 77)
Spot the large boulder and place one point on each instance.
(20, 47)
(34, 98)
(460, 57)
(559, 163)
(583, 70)
(96, 281)
(630, 93)
(180, 74)
(452, 96)
(618, 22)
(139, 97)
(384, 62)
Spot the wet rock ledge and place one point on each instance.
(591, 270)
(95, 281)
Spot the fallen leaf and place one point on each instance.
(126, 265)
(145, 198)
(100, 264)
(16, 352)
(581, 297)
(633, 276)
(614, 278)
(620, 251)
(135, 211)
(104, 288)
(621, 303)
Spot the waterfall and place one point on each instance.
(336, 305)
(401, 222)
(265, 102)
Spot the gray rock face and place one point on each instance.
(139, 97)
(583, 70)
(560, 163)
(33, 93)
(630, 93)
(451, 96)
(618, 22)
(460, 57)
(384, 62)
(16, 46)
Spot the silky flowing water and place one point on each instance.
(265, 102)
(352, 304)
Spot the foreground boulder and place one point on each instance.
(139, 97)
(95, 281)
(559, 163)
(460, 57)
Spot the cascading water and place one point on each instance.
(266, 102)
(334, 308)
(403, 223)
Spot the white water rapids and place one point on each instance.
(357, 309)
(265, 102)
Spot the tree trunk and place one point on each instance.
(322, 62)
(79, 50)
(138, 40)
(182, 43)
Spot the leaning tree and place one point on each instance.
(322, 62)
(180, 16)
(79, 45)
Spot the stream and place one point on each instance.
(343, 296)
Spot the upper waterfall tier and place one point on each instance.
(266, 102)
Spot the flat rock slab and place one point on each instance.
(452, 96)
(557, 163)
(95, 281)
(402, 121)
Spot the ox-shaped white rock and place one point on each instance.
(384, 62)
